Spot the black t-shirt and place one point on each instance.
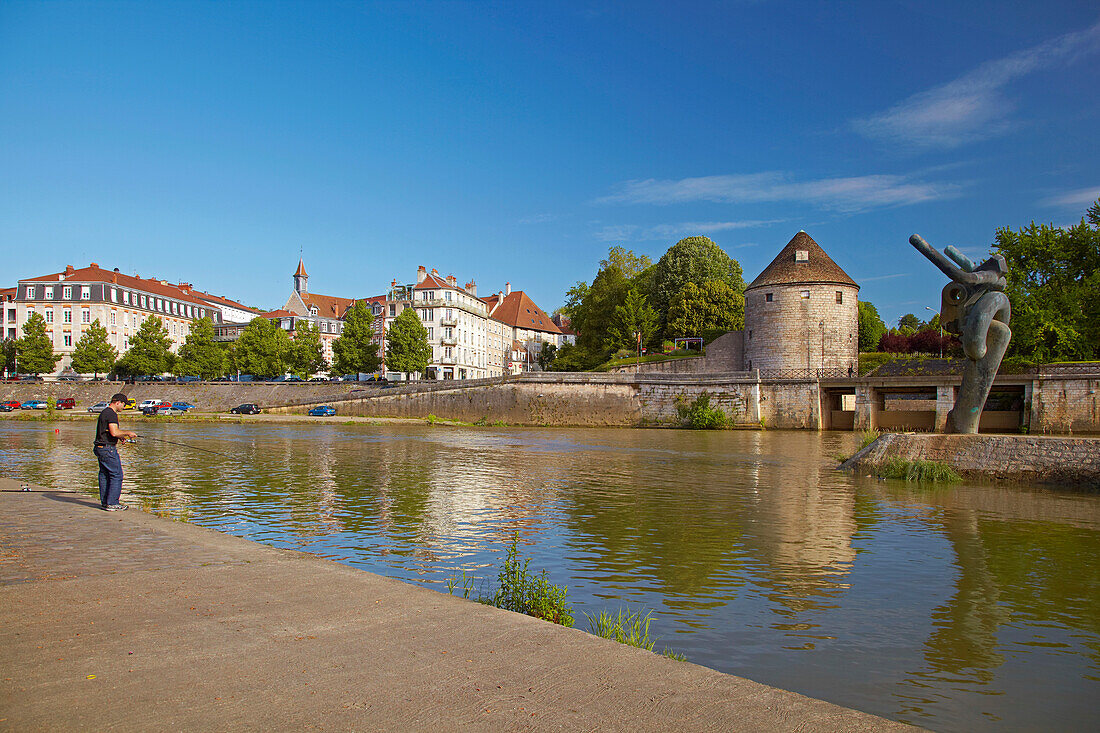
(102, 432)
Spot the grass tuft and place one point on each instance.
(918, 471)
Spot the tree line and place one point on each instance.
(263, 349)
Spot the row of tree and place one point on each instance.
(695, 289)
(263, 349)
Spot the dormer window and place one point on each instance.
(801, 255)
(313, 310)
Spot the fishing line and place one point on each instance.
(185, 445)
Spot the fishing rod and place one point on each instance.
(185, 445)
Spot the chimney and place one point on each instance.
(421, 273)
(452, 281)
(117, 270)
(507, 288)
(69, 269)
(95, 265)
(471, 288)
(435, 272)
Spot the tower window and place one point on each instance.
(767, 297)
(840, 296)
(801, 255)
(805, 295)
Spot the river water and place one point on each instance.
(972, 607)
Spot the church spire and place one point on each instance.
(300, 277)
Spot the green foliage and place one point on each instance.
(263, 349)
(871, 326)
(547, 355)
(1054, 288)
(7, 350)
(92, 353)
(866, 437)
(574, 358)
(699, 415)
(909, 324)
(34, 351)
(918, 471)
(628, 263)
(627, 627)
(593, 317)
(707, 308)
(695, 260)
(533, 594)
(200, 355)
(573, 298)
(307, 355)
(354, 352)
(150, 351)
(633, 318)
(407, 348)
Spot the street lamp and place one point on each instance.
(941, 332)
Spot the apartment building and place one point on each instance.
(526, 329)
(72, 300)
(8, 318)
(326, 312)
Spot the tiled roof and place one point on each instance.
(94, 273)
(519, 311)
(433, 281)
(222, 301)
(279, 313)
(301, 271)
(818, 267)
(8, 293)
(328, 306)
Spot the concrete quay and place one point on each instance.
(127, 621)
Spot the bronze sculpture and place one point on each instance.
(973, 307)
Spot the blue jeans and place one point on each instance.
(110, 474)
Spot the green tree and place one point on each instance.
(200, 355)
(707, 310)
(573, 299)
(592, 318)
(150, 351)
(8, 347)
(263, 349)
(573, 358)
(1054, 287)
(308, 355)
(871, 326)
(695, 260)
(547, 355)
(34, 351)
(909, 324)
(632, 318)
(407, 348)
(92, 353)
(629, 264)
(354, 351)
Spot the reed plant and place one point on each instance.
(627, 627)
(917, 471)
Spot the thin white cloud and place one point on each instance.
(883, 277)
(637, 233)
(842, 194)
(1081, 197)
(973, 106)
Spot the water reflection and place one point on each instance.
(957, 609)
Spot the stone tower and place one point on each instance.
(801, 313)
(300, 278)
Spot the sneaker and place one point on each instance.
(117, 507)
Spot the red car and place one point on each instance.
(9, 405)
(66, 403)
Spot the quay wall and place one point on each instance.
(1067, 405)
(1029, 458)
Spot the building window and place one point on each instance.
(112, 318)
(85, 292)
(68, 339)
(805, 295)
(750, 333)
(66, 292)
(801, 255)
(431, 333)
(49, 315)
(447, 295)
(114, 295)
(393, 310)
(429, 314)
(48, 292)
(68, 316)
(85, 315)
(767, 297)
(30, 292)
(840, 296)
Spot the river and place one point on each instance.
(971, 607)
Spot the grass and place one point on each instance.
(648, 359)
(868, 436)
(917, 471)
(699, 415)
(627, 627)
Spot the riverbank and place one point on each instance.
(127, 621)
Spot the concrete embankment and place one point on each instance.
(1026, 458)
(126, 621)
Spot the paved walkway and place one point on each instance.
(126, 621)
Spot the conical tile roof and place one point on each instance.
(301, 271)
(789, 269)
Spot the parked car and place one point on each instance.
(8, 406)
(170, 411)
(131, 404)
(66, 403)
(98, 407)
(183, 380)
(30, 378)
(149, 403)
(149, 410)
(249, 408)
(34, 405)
(185, 406)
(323, 411)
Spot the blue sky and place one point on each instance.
(213, 142)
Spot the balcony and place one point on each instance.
(447, 360)
(448, 321)
(449, 341)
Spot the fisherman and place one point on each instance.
(107, 436)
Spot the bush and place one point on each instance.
(699, 415)
(667, 347)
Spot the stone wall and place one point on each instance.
(787, 332)
(1066, 405)
(1030, 458)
